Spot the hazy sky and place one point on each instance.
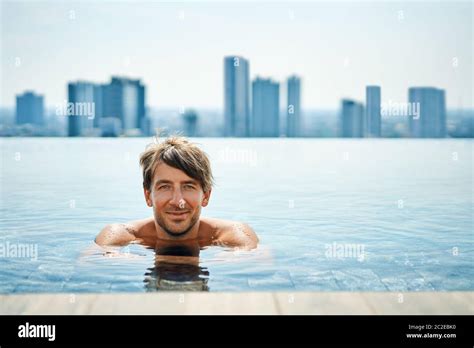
(177, 49)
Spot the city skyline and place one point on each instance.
(119, 108)
(57, 43)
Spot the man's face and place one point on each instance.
(176, 199)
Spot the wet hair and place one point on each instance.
(179, 153)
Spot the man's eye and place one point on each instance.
(163, 187)
(189, 187)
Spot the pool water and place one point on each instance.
(331, 215)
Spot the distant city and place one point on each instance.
(251, 109)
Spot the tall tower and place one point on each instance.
(236, 97)
(293, 108)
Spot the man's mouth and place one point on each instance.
(177, 213)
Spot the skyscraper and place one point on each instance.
(372, 112)
(236, 97)
(30, 109)
(119, 106)
(352, 119)
(83, 96)
(190, 119)
(293, 108)
(147, 125)
(124, 99)
(265, 108)
(432, 112)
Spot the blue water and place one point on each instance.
(404, 208)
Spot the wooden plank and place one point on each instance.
(461, 302)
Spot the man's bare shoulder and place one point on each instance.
(119, 234)
(231, 233)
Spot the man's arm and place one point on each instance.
(235, 234)
(116, 235)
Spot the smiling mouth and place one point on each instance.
(178, 213)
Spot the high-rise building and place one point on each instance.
(110, 126)
(30, 109)
(372, 112)
(293, 108)
(431, 121)
(265, 108)
(236, 97)
(124, 99)
(84, 108)
(190, 118)
(352, 119)
(147, 126)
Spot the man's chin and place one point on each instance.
(175, 233)
(177, 229)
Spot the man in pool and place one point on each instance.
(177, 182)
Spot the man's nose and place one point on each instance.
(177, 198)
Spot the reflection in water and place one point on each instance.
(177, 268)
(176, 277)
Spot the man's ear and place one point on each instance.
(148, 200)
(205, 200)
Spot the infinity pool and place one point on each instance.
(380, 215)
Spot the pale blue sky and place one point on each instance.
(178, 48)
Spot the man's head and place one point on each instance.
(177, 182)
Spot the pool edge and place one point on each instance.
(241, 303)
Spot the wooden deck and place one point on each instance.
(428, 303)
